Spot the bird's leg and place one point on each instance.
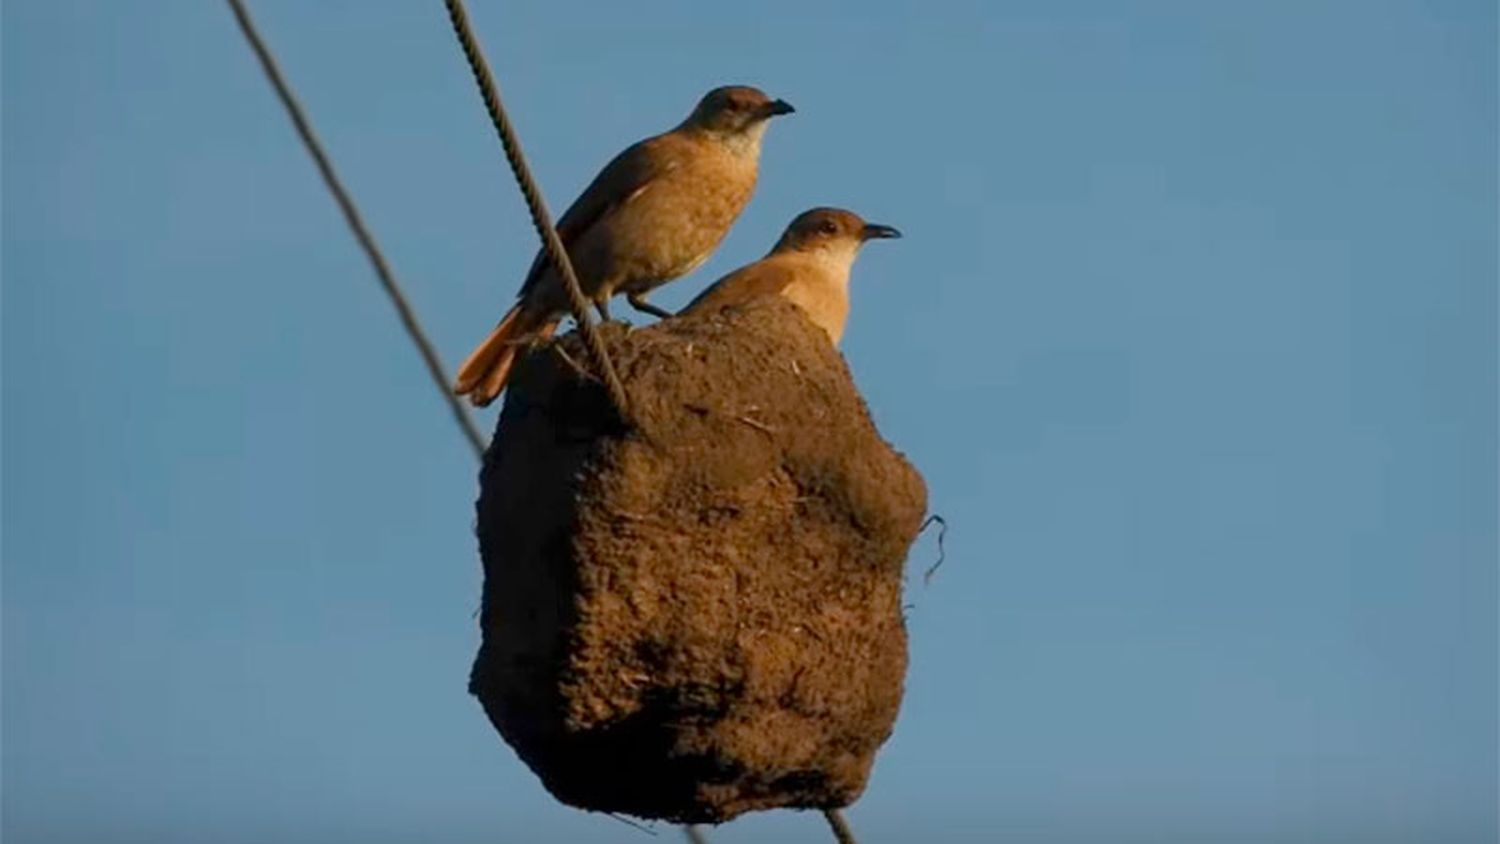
(602, 306)
(638, 301)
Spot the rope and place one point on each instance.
(356, 222)
(542, 221)
(559, 258)
(539, 216)
(841, 831)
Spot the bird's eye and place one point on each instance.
(828, 227)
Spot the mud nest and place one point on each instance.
(697, 614)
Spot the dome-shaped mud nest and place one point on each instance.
(697, 614)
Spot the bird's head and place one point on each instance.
(833, 231)
(736, 110)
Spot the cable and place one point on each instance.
(356, 222)
(539, 216)
(841, 831)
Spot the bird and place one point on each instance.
(655, 212)
(809, 266)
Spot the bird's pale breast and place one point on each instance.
(675, 223)
(817, 283)
(820, 286)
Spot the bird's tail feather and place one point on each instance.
(484, 372)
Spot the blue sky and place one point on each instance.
(1193, 334)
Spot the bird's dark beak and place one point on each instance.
(776, 108)
(873, 231)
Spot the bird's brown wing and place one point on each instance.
(767, 277)
(622, 179)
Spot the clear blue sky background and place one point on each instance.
(1193, 334)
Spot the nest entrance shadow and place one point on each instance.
(697, 614)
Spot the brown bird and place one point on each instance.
(655, 212)
(809, 265)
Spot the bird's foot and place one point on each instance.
(638, 301)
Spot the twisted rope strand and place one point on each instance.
(841, 831)
(555, 252)
(382, 267)
(551, 243)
